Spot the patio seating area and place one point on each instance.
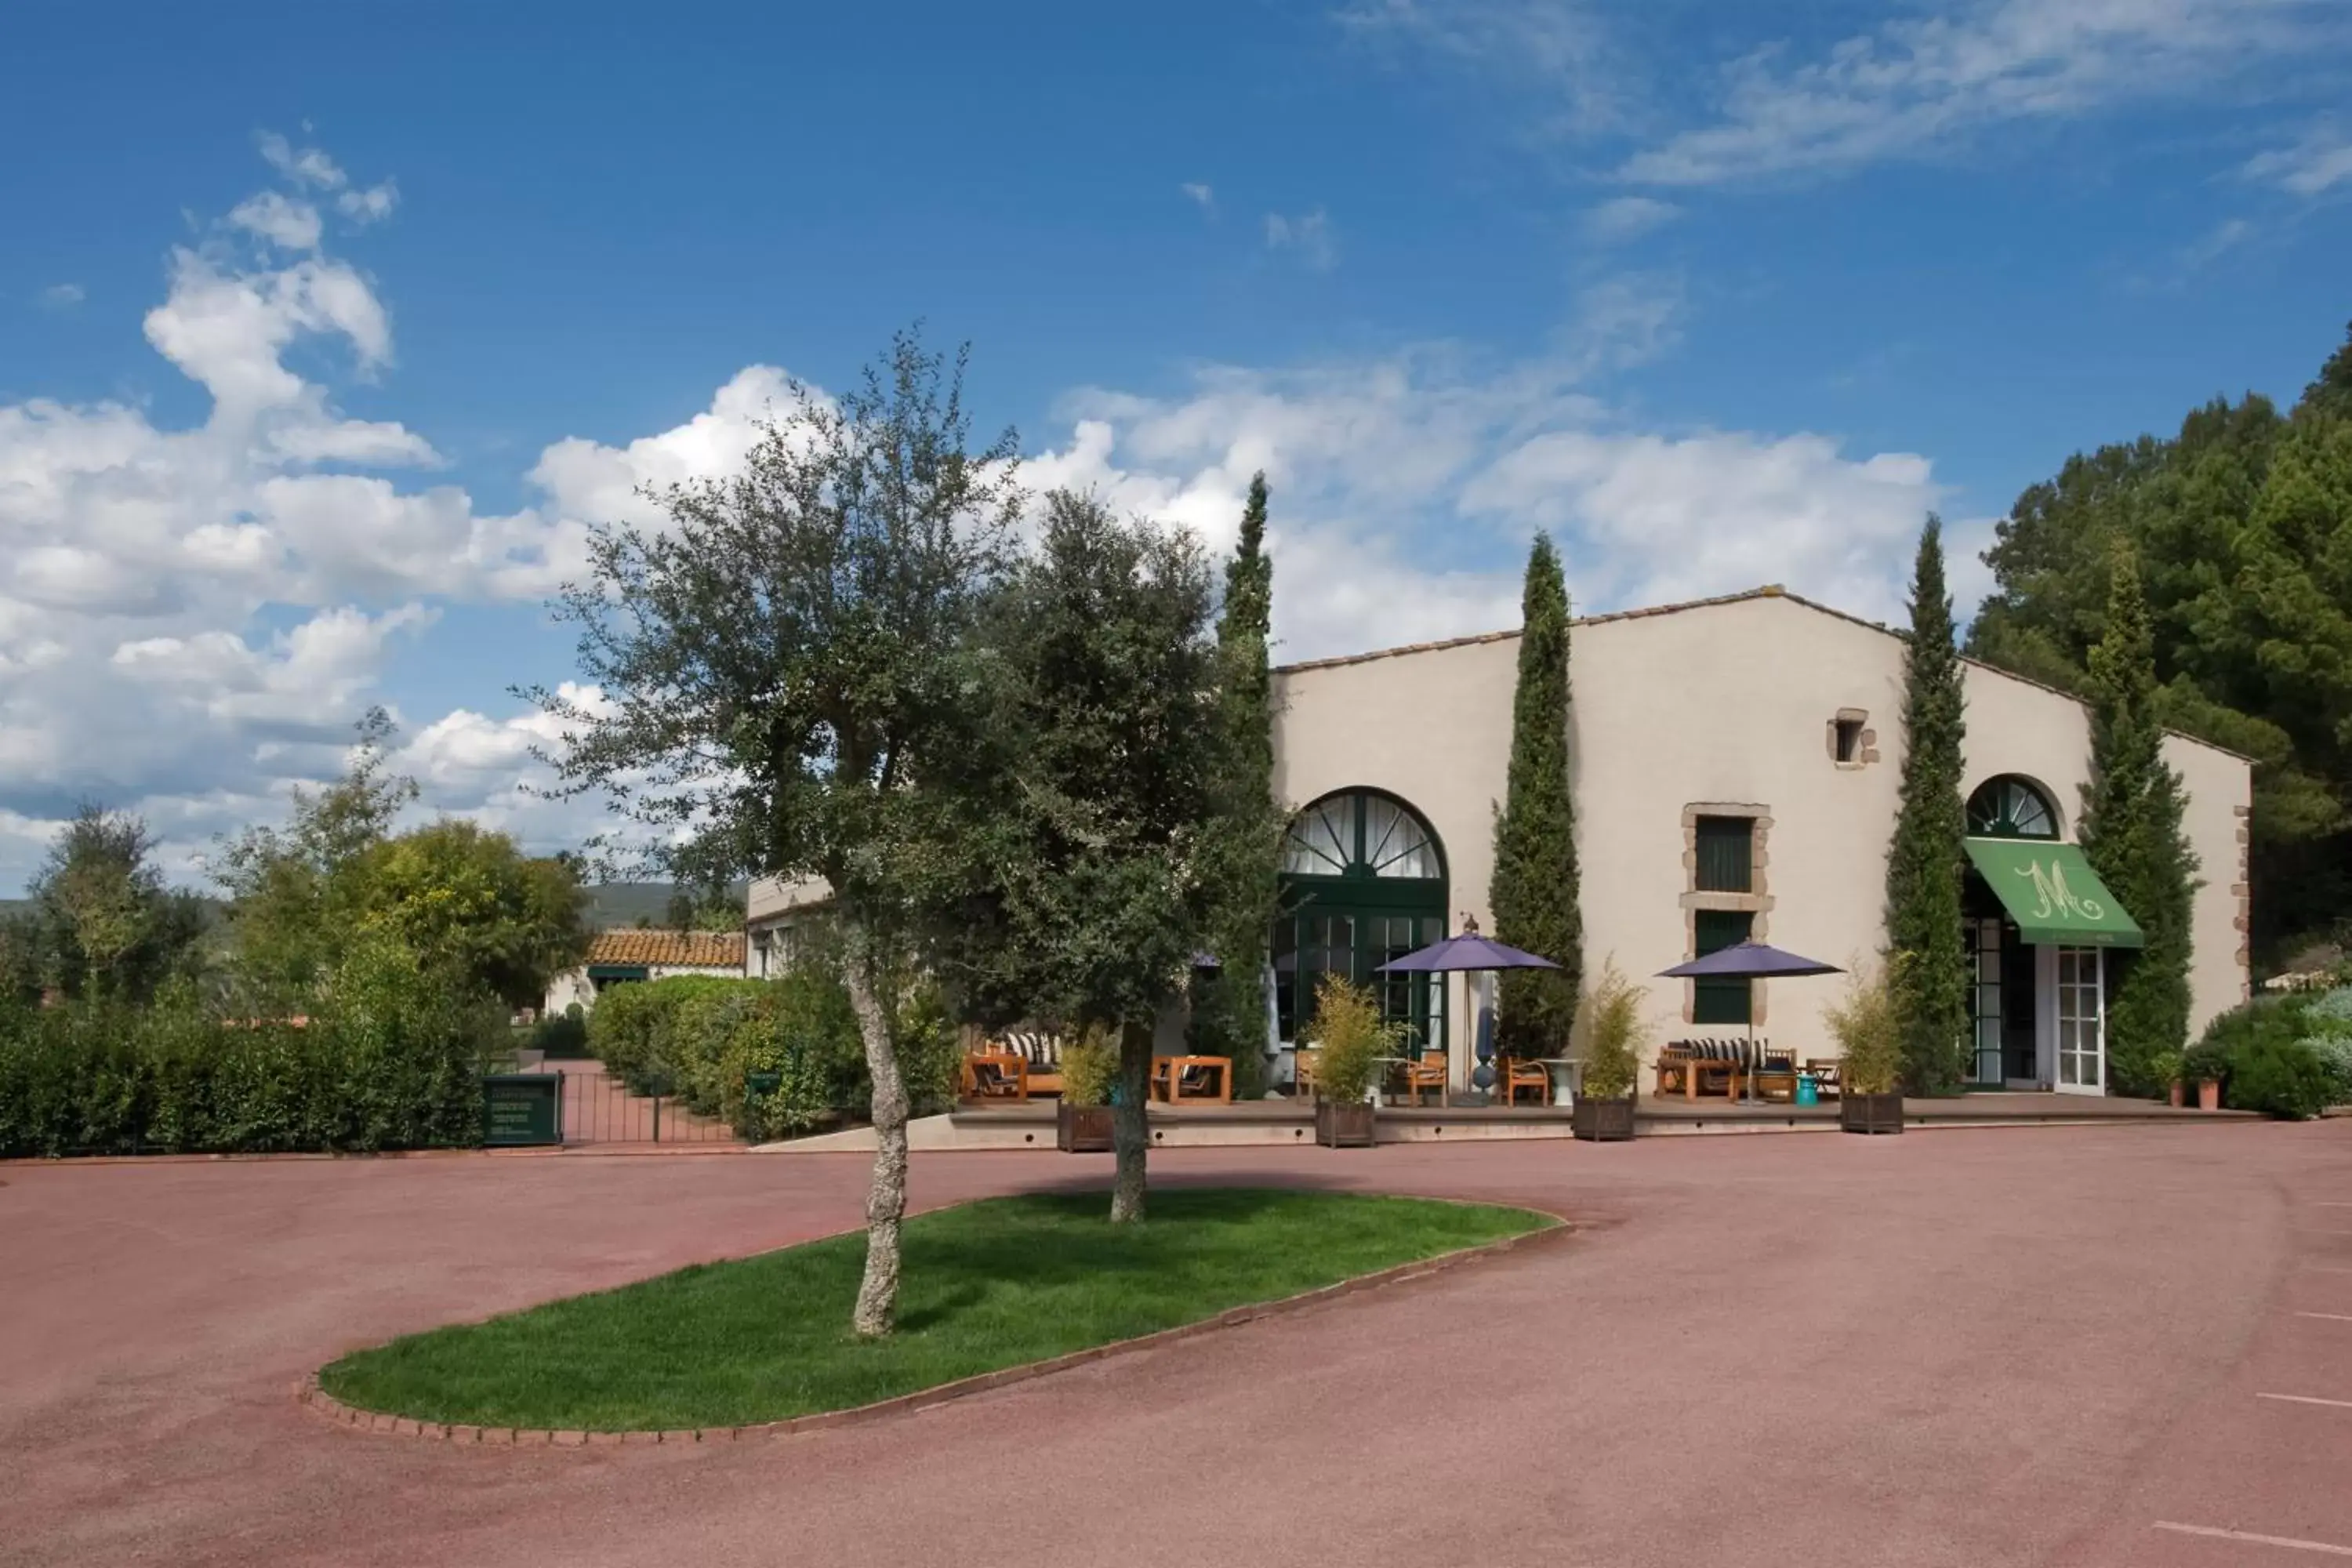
(1739, 1068)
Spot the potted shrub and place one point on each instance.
(2165, 1068)
(1867, 1027)
(1350, 1038)
(2206, 1065)
(1614, 1032)
(1082, 1119)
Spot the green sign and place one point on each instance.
(2052, 894)
(523, 1109)
(759, 1085)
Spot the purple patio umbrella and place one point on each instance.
(1750, 961)
(1466, 953)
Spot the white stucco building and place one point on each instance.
(1735, 763)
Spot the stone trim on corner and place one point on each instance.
(308, 1393)
(2243, 890)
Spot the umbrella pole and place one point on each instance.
(1747, 1081)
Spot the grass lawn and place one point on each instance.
(987, 1285)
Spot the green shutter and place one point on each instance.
(1726, 855)
(1720, 999)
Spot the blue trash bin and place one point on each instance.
(1808, 1091)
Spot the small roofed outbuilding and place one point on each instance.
(625, 957)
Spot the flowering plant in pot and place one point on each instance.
(1868, 1027)
(1082, 1121)
(2206, 1065)
(1615, 1033)
(1350, 1038)
(2165, 1067)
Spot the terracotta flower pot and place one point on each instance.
(2208, 1095)
(2179, 1094)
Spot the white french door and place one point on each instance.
(2081, 1021)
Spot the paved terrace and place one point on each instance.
(2022, 1345)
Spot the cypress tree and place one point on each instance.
(1534, 895)
(2131, 834)
(1924, 862)
(1229, 1009)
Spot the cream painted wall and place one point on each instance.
(574, 984)
(1723, 703)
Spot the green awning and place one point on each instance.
(2052, 894)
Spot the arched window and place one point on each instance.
(1363, 881)
(2008, 806)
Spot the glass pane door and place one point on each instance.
(2081, 1021)
(1988, 1018)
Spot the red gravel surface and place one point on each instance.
(1979, 1348)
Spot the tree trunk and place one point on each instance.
(885, 1198)
(1130, 1127)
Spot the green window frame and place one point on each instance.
(1363, 882)
(1725, 854)
(1721, 998)
(2007, 806)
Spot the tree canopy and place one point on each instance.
(2240, 526)
(1099, 872)
(101, 922)
(1536, 883)
(1924, 862)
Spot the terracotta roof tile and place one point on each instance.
(673, 949)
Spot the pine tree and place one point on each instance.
(2131, 834)
(1229, 1017)
(1924, 863)
(1534, 893)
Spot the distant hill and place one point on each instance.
(612, 905)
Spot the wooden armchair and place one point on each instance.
(1303, 1065)
(1519, 1076)
(1423, 1075)
(997, 1076)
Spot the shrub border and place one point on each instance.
(308, 1393)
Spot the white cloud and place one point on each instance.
(1308, 235)
(1627, 218)
(2317, 164)
(279, 219)
(1917, 84)
(1202, 197)
(301, 166)
(61, 296)
(1556, 49)
(371, 205)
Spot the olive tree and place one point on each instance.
(782, 685)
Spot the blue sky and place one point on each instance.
(323, 331)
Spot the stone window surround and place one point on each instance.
(1755, 901)
(1866, 750)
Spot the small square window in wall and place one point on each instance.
(1726, 855)
(1853, 743)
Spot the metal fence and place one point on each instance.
(599, 1109)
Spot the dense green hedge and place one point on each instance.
(2285, 1056)
(391, 1060)
(701, 1038)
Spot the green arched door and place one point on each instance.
(1363, 881)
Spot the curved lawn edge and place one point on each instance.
(1556, 1228)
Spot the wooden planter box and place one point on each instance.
(1603, 1120)
(1082, 1129)
(1343, 1126)
(1870, 1112)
